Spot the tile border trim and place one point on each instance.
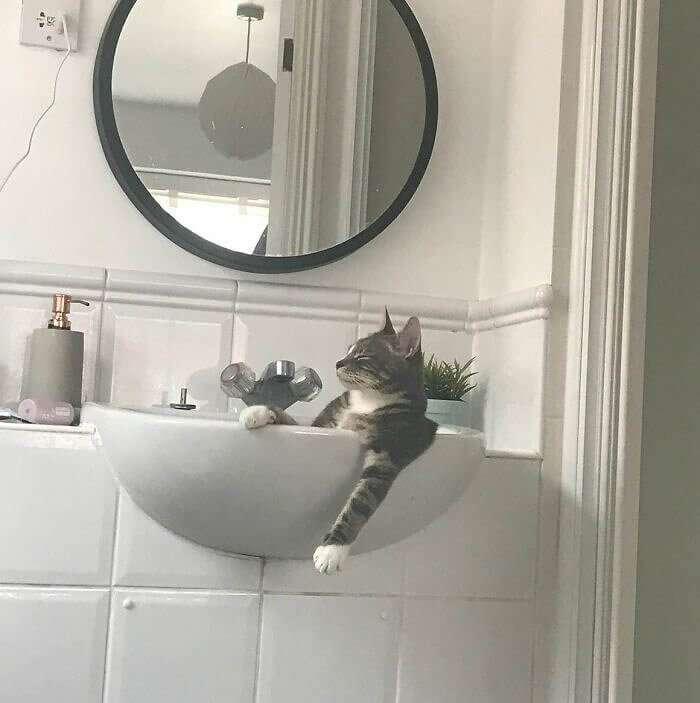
(262, 298)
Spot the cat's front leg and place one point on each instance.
(374, 484)
(256, 416)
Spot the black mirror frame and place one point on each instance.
(193, 243)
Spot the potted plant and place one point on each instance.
(446, 385)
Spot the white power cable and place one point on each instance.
(45, 112)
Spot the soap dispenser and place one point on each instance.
(55, 371)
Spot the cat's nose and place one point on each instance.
(340, 364)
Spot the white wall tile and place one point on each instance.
(180, 646)
(57, 509)
(557, 335)
(149, 555)
(269, 326)
(378, 572)
(466, 651)
(259, 339)
(510, 361)
(52, 645)
(485, 545)
(547, 567)
(318, 649)
(162, 333)
(297, 301)
(435, 313)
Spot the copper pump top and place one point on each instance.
(60, 311)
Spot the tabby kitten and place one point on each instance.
(385, 404)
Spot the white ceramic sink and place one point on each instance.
(271, 492)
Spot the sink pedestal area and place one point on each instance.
(272, 492)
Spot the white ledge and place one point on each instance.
(262, 298)
(167, 290)
(29, 278)
(511, 309)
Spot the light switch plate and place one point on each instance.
(41, 23)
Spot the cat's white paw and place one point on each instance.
(256, 416)
(330, 558)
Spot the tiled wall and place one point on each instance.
(99, 603)
(148, 335)
(95, 594)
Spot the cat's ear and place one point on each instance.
(409, 338)
(388, 327)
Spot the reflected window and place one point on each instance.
(235, 223)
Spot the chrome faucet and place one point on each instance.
(281, 384)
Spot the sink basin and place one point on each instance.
(271, 492)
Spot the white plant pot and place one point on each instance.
(447, 412)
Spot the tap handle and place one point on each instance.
(306, 384)
(237, 380)
(279, 371)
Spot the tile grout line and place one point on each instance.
(258, 644)
(98, 346)
(418, 598)
(231, 341)
(401, 633)
(400, 650)
(399, 596)
(10, 586)
(99, 369)
(108, 633)
(544, 383)
(538, 546)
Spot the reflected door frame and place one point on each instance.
(319, 194)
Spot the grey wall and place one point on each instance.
(169, 136)
(667, 660)
(398, 111)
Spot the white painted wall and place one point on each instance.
(521, 110)
(491, 179)
(668, 606)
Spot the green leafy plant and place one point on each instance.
(447, 380)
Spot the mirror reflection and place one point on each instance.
(280, 128)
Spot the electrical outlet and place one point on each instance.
(41, 23)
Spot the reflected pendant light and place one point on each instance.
(237, 108)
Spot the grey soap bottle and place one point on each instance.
(55, 371)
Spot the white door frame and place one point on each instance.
(298, 222)
(594, 637)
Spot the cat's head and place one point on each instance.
(386, 361)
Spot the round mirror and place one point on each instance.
(267, 136)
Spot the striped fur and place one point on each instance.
(385, 404)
